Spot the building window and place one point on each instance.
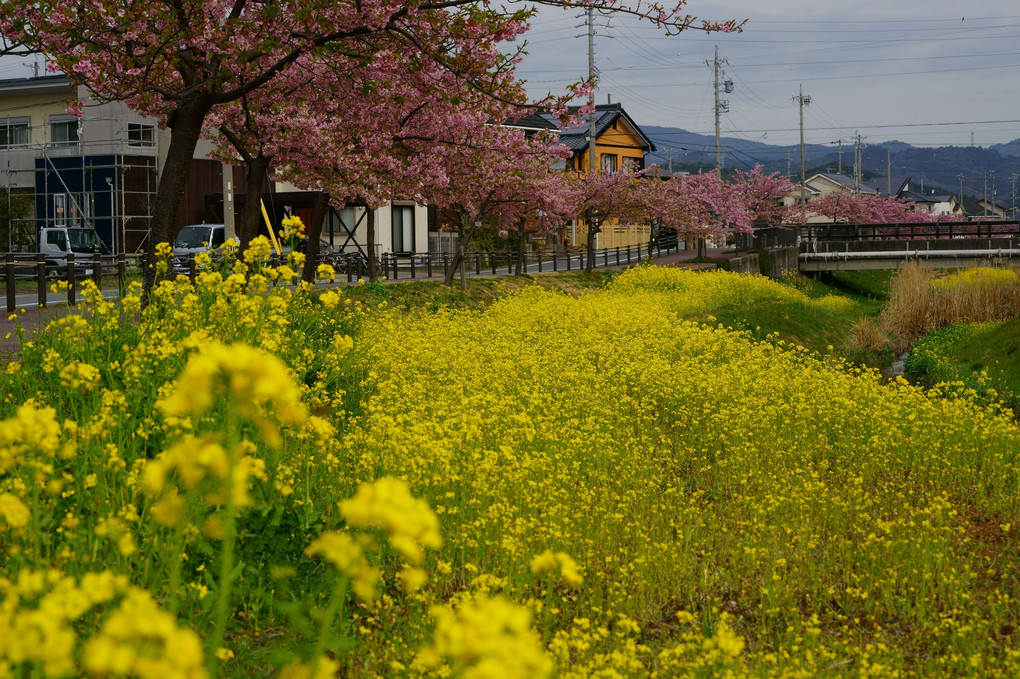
(608, 163)
(403, 228)
(13, 132)
(64, 132)
(632, 164)
(141, 135)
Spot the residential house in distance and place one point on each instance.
(982, 208)
(619, 145)
(820, 184)
(101, 171)
(934, 200)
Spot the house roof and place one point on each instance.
(881, 185)
(575, 137)
(45, 84)
(532, 122)
(842, 180)
(928, 197)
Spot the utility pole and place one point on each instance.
(802, 101)
(984, 194)
(721, 105)
(1012, 203)
(995, 193)
(593, 217)
(671, 160)
(858, 160)
(591, 97)
(888, 171)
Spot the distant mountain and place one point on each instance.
(940, 168)
(1008, 149)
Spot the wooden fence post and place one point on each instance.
(72, 276)
(122, 274)
(12, 301)
(40, 274)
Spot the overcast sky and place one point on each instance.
(927, 72)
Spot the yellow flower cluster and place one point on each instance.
(38, 617)
(139, 639)
(293, 227)
(561, 562)
(79, 376)
(257, 385)
(388, 504)
(348, 556)
(486, 637)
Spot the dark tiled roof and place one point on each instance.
(881, 185)
(42, 84)
(926, 197)
(575, 136)
(532, 121)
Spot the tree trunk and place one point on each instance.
(255, 172)
(593, 232)
(314, 233)
(702, 249)
(373, 273)
(521, 237)
(185, 125)
(451, 272)
(464, 233)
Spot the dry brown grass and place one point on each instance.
(922, 300)
(867, 335)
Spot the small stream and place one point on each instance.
(896, 369)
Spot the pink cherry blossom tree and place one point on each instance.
(702, 206)
(495, 177)
(603, 198)
(862, 208)
(178, 60)
(762, 195)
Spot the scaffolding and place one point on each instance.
(115, 194)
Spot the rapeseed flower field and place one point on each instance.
(247, 477)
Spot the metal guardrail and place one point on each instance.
(347, 266)
(33, 266)
(908, 231)
(430, 264)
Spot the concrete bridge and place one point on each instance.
(894, 254)
(948, 245)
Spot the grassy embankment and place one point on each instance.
(974, 343)
(245, 479)
(821, 328)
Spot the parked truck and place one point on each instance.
(57, 242)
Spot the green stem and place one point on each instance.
(227, 556)
(332, 609)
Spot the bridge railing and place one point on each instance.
(909, 231)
